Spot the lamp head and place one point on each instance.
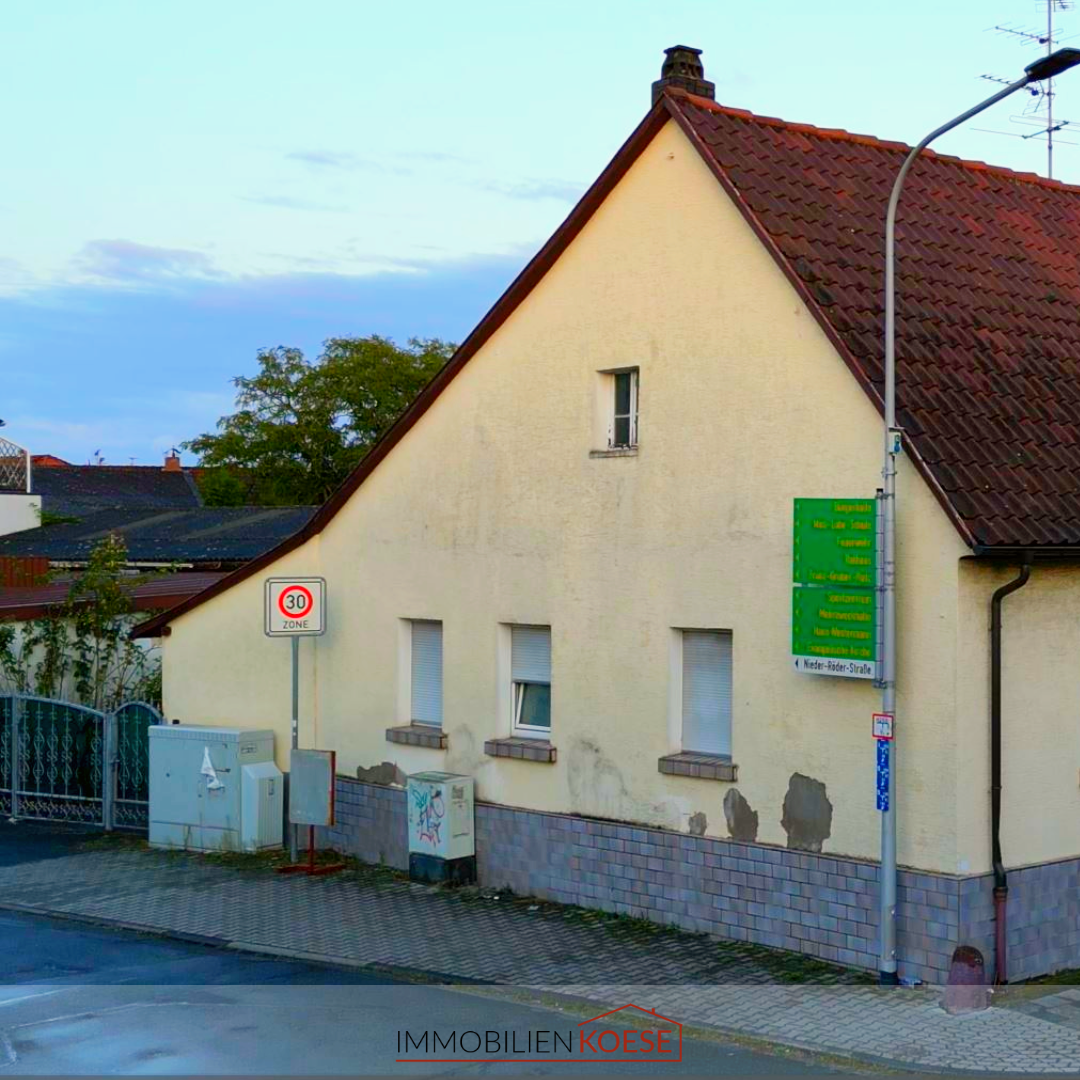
(1054, 64)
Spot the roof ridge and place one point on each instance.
(843, 135)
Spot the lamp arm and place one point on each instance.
(890, 241)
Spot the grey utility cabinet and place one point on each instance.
(214, 789)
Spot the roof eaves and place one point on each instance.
(502, 309)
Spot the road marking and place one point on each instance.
(31, 997)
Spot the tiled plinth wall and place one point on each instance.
(822, 905)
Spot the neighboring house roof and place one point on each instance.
(199, 535)
(988, 309)
(152, 595)
(80, 489)
(48, 461)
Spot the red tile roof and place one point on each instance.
(151, 595)
(988, 303)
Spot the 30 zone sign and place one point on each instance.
(295, 606)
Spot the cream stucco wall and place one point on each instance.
(1040, 708)
(491, 511)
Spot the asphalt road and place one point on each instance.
(78, 999)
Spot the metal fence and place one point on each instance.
(66, 762)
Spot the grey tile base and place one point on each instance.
(821, 905)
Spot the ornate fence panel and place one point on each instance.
(132, 760)
(59, 766)
(66, 762)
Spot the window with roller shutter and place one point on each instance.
(427, 699)
(706, 691)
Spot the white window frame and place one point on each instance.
(635, 377)
(517, 695)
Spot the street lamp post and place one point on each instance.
(1045, 68)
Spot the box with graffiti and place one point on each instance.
(441, 845)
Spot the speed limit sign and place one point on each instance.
(295, 607)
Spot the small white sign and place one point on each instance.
(295, 607)
(882, 725)
(850, 669)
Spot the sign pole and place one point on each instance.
(294, 841)
(294, 608)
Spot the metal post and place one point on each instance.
(111, 760)
(887, 922)
(16, 710)
(294, 838)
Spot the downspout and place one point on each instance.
(1001, 881)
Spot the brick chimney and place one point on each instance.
(683, 68)
(172, 462)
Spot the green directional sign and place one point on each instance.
(834, 597)
(835, 542)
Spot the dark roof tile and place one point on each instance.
(203, 535)
(80, 489)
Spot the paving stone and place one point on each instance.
(371, 916)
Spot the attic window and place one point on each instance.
(619, 408)
(624, 417)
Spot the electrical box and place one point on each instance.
(214, 789)
(442, 844)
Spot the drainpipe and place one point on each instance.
(1001, 881)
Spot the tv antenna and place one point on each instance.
(1039, 113)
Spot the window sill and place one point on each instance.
(699, 766)
(618, 451)
(417, 735)
(521, 749)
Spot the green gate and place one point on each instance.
(66, 762)
(132, 764)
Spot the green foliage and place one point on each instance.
(83, 653)
(222, 487)
(51, 517)
(300, 427)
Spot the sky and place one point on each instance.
(185, 182)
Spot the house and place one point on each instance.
(71, 490)
(150, 594)
(566, 571)
(20, 508)
(157, 511)
(37, 488)
(178, 537)
(27, 661)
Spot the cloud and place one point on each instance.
(344, 160)
(441, 156)
(134, 370)
(287, 202)
(561, 190)
(126, 260)
(323, 159)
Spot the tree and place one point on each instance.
(300, 427)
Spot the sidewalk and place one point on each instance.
(371, 917)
